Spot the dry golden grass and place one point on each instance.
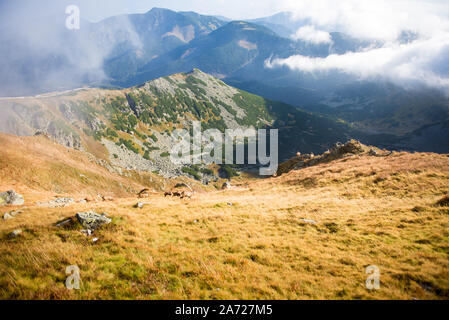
(40, 168)
(369, 211)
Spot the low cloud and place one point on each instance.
(310, 34)
(419, 62)
(425, 60)
(40, 54)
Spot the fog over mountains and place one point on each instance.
(394, 83)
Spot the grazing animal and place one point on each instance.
(145, 193)
(226, 186)
(184, 194)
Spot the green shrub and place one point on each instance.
(128, 144)
(191, 172)
(111, 133)
(153, 137)
(229, 171)
(207, 171)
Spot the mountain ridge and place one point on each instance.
(130, 128)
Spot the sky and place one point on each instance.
(323, 11)
(233, 9)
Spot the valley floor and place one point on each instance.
(250, 242)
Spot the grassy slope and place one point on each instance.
(369, 211)
(40, 168)
(79, 112)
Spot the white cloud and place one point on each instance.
(310, 34)
(375, 19)
(405, 64)
(423, 61)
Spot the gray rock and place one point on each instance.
(57, 203)
(91, 220)
(7, 216)
(61, 202)
(14, 234)
(310, 221)
(140, 205)
(12, 198)
(64, 222)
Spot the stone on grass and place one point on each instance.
(12, 198)
(91, 220)
(310, 221)
(61, 202)
(15, 234)
(7, 216)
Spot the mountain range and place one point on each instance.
(131, 128)
(128, 50)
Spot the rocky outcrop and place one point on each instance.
(11, 198)
(337, 151)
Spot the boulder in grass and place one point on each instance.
(61, 202)
(140, 205)
(7, 216)
(11, 198)
(15, 234)
(91, 220)
(309, 221)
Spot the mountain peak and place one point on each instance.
(157, 10)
